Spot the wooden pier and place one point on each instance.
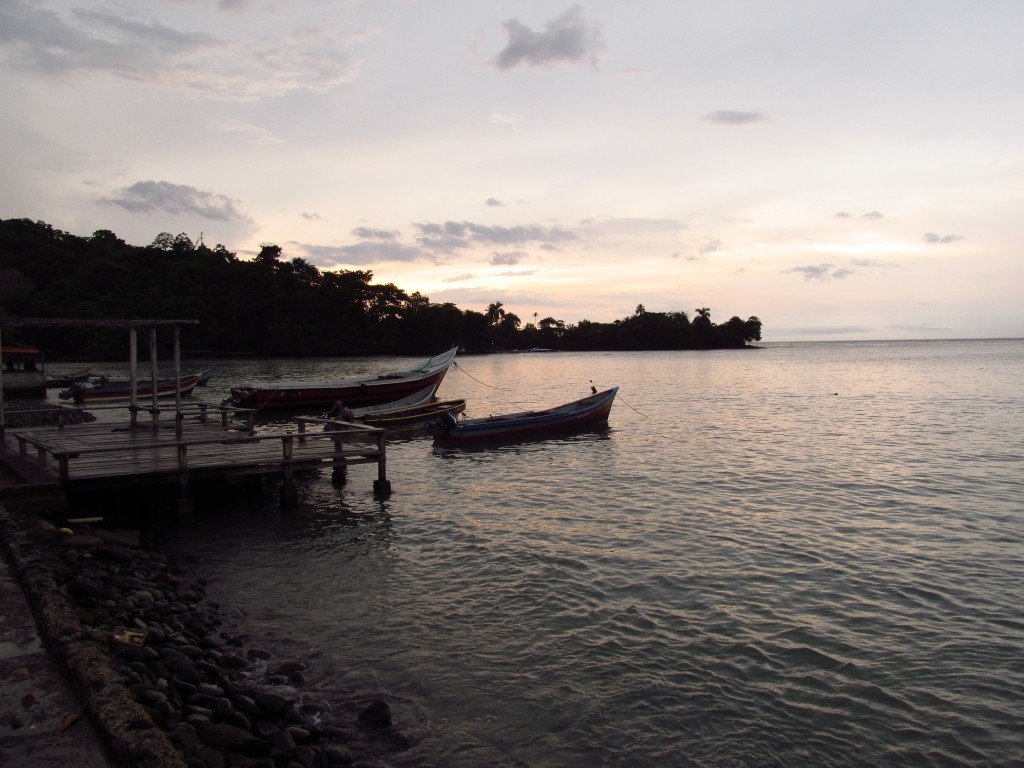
(182, 451)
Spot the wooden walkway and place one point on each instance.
(95, 455)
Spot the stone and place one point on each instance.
(376, 715)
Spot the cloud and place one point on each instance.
(494, 202)
(515, 122)
(932, 238)
(570, 37)
(253, 134)
(459, 235)
(177, 199)
(360, 254)
(146, 51)
(516, 273)
(460, 278)
(734, 117)
(710, 247)
(632, 226)
(505, 259)
(872, 215)
(842, 215)
(368, 233)
(861, 261)
(821, 272)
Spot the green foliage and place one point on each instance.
(273, 305)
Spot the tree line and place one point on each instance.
(274, 306)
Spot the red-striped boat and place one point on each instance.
(354, 391)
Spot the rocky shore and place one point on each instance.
(20, 414)
(151, 662)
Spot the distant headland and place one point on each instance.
(273, 306)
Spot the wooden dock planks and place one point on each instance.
(119, 455)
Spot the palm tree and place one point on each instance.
(495, 313)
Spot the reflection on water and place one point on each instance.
(801, 555)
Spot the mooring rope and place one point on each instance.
(491, 386)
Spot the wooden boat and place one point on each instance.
(589, 411)
(104, 391)
(204, 377)
(410, 416)
(354, 391)
(69, 378)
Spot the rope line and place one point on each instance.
(491, 386)
(620, 397)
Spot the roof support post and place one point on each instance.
(152, 375)
(133, 361)
(177, 377)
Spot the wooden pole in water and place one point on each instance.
(3, 426)
(152, 374)
(133, 362)
(289, 493)
(177, 378)
(381, 486)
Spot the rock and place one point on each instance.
(225, 737)
(376, 715)
(273, 703)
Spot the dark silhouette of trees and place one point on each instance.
(273, 305)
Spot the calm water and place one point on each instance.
(804, 555)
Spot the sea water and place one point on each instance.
(806, 554)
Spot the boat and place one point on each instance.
(68, 379)
(410, 416)
(204, 377)
(589, 411)
(104, 390)
(24, 372)
(355, 391)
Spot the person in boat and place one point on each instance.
(340, 412)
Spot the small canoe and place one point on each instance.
(586, 412)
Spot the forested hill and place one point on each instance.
(276, 306)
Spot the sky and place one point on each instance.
(841, 170)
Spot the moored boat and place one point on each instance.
(354, 391)
(409, 417)
(24, 372)
(104, 391)
(586, 412)
(67, 379)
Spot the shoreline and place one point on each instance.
(145, 653)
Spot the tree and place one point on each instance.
(269, 255)
(495, 313)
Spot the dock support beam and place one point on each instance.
(289, 493)
(186, 506)
(381, 486)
